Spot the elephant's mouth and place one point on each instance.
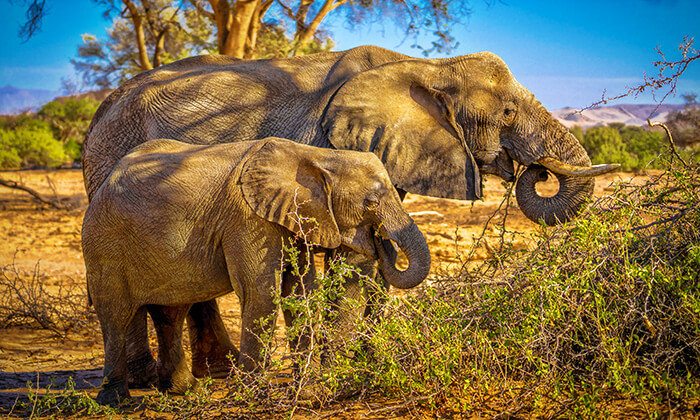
(499, 163)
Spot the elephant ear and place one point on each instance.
(282, 184)
(395, 112)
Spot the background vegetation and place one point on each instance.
(50, 138)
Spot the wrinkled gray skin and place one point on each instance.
(176, 224)
(437, 125)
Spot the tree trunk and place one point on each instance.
(137, 20)
(254, 28)
(234, 44)
(222, 19)
(160, 46)
(308, 32)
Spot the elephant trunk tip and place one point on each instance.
(411, 241)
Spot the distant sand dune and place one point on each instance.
(627, 114)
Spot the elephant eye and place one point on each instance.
(509, 114)
(371, 203)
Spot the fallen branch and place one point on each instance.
(17, 186)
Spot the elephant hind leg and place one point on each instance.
(173, 374)
(140, 361)
(213, 353)
(114, 322)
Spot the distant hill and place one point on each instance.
(14, 100)
(98, 95)
(628, 114)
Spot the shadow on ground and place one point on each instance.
(15, 387)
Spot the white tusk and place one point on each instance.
(425, 213)
(570, 170)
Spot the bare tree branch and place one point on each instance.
(17, 186)
(35, 14)
(661, 80)
(670, 140)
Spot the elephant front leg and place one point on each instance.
(258, 321)
(213, 353)
(293, 285)
(362, 299)
(365, 289)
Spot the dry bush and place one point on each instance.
(25, 300)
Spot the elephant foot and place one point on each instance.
(113, 393)
(142, 371)
(178, 383)
(218, 366)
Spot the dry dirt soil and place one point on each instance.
(35, 236)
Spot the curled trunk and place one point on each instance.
(411, 241)
(572, 196)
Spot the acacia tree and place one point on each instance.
(238, 23)
(685, 123)
(166, 34)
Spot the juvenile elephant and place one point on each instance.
(436, 124)
(175, 224)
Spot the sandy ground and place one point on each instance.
(32, 233)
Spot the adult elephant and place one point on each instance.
(436, 124)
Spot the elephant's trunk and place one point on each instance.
(573, 193)
(553, 148)
(411, 241)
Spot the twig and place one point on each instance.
(670, 140)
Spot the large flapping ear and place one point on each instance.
(283, 184)
(395, 112)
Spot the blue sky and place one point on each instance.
(566, 53)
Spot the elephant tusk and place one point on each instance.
(582, 171)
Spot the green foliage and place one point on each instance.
(645, 145)
(66, 402)
(52, 137)
(634, 148)
(605, 145)
(577, 131)
(70, 119)
(24, 147)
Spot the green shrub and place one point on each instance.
(24, 147)
(50, 138)
(605, 145)
(634, 148)
(605, 308)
